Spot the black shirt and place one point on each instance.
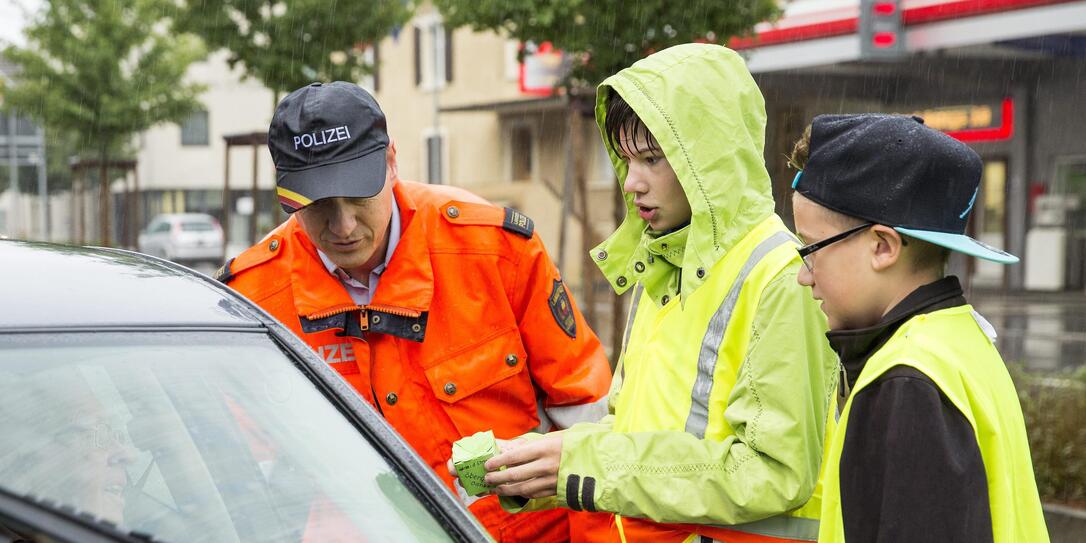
(910, 469)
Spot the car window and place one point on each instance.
(194, 436)
(197, 226)
(162, 227)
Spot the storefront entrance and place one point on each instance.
(989, 222)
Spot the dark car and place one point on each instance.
(142, 401)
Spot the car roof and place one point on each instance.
(47, 286)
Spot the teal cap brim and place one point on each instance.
(962, 244)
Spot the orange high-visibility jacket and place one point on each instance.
(470, 329)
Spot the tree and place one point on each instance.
(102, 71)
(603, 37)
(287, 44)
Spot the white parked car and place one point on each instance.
(187, 238)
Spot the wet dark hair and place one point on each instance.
(622, 117)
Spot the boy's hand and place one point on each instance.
(531, 467)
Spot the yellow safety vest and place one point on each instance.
(690, 392)
(952, 348)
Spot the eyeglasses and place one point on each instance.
(806, 250)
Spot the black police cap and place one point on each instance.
(327, 141)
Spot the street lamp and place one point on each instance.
(43, 193)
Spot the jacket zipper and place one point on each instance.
(398, 311)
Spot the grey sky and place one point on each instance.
(12, 19)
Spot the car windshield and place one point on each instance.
(194, 436)
(197, 226)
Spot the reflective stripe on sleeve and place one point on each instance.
(565, 416)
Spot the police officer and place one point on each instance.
(440, 309)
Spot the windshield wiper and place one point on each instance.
(31, 515)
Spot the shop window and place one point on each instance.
(1070, 185)
(995, 197)
(988, 222)
(520, 143)
(433, 53)
(372, 80)
(435, 158)
(23, 125)
(194, 130)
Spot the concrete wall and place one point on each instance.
(1059, 128)
(473, 139)
(477, 143)
(234, 106)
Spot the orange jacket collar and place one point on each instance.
(407, 284)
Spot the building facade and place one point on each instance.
(1005, 77)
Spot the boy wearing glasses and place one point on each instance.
(721, 398)
(930, 444)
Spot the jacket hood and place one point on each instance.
(703, 107)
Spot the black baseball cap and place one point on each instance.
(895, 170)
(327, 140)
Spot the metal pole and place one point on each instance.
(43, 191)
(13, 178)
(138, 206)
(253, 195)
(225, 200)
(567, 199)
(125, 209)
(81, 206)
(1018, 186)
(436, 174)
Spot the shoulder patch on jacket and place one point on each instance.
(518, 223)
(562, 309)
(471, 213)
(223, 274)
(251, 257)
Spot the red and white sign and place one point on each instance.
(542, 68)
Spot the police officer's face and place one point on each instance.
(352, 232)
(658, 195)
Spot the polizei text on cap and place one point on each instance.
(322, 137)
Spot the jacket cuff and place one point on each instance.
(581, 486)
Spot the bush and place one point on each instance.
(1055, 410)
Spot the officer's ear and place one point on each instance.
(393, 171)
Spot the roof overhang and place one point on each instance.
(513, 107)
(247, 138)
(830, 37)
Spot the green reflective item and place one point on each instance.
(468, 456)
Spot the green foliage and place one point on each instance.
(101, 71)
(286, 44)
(605, 36)
(1057, 438)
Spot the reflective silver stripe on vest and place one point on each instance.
(629, 324)
(710, 345)
(779, 527)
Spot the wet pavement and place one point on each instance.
(1044, 331)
